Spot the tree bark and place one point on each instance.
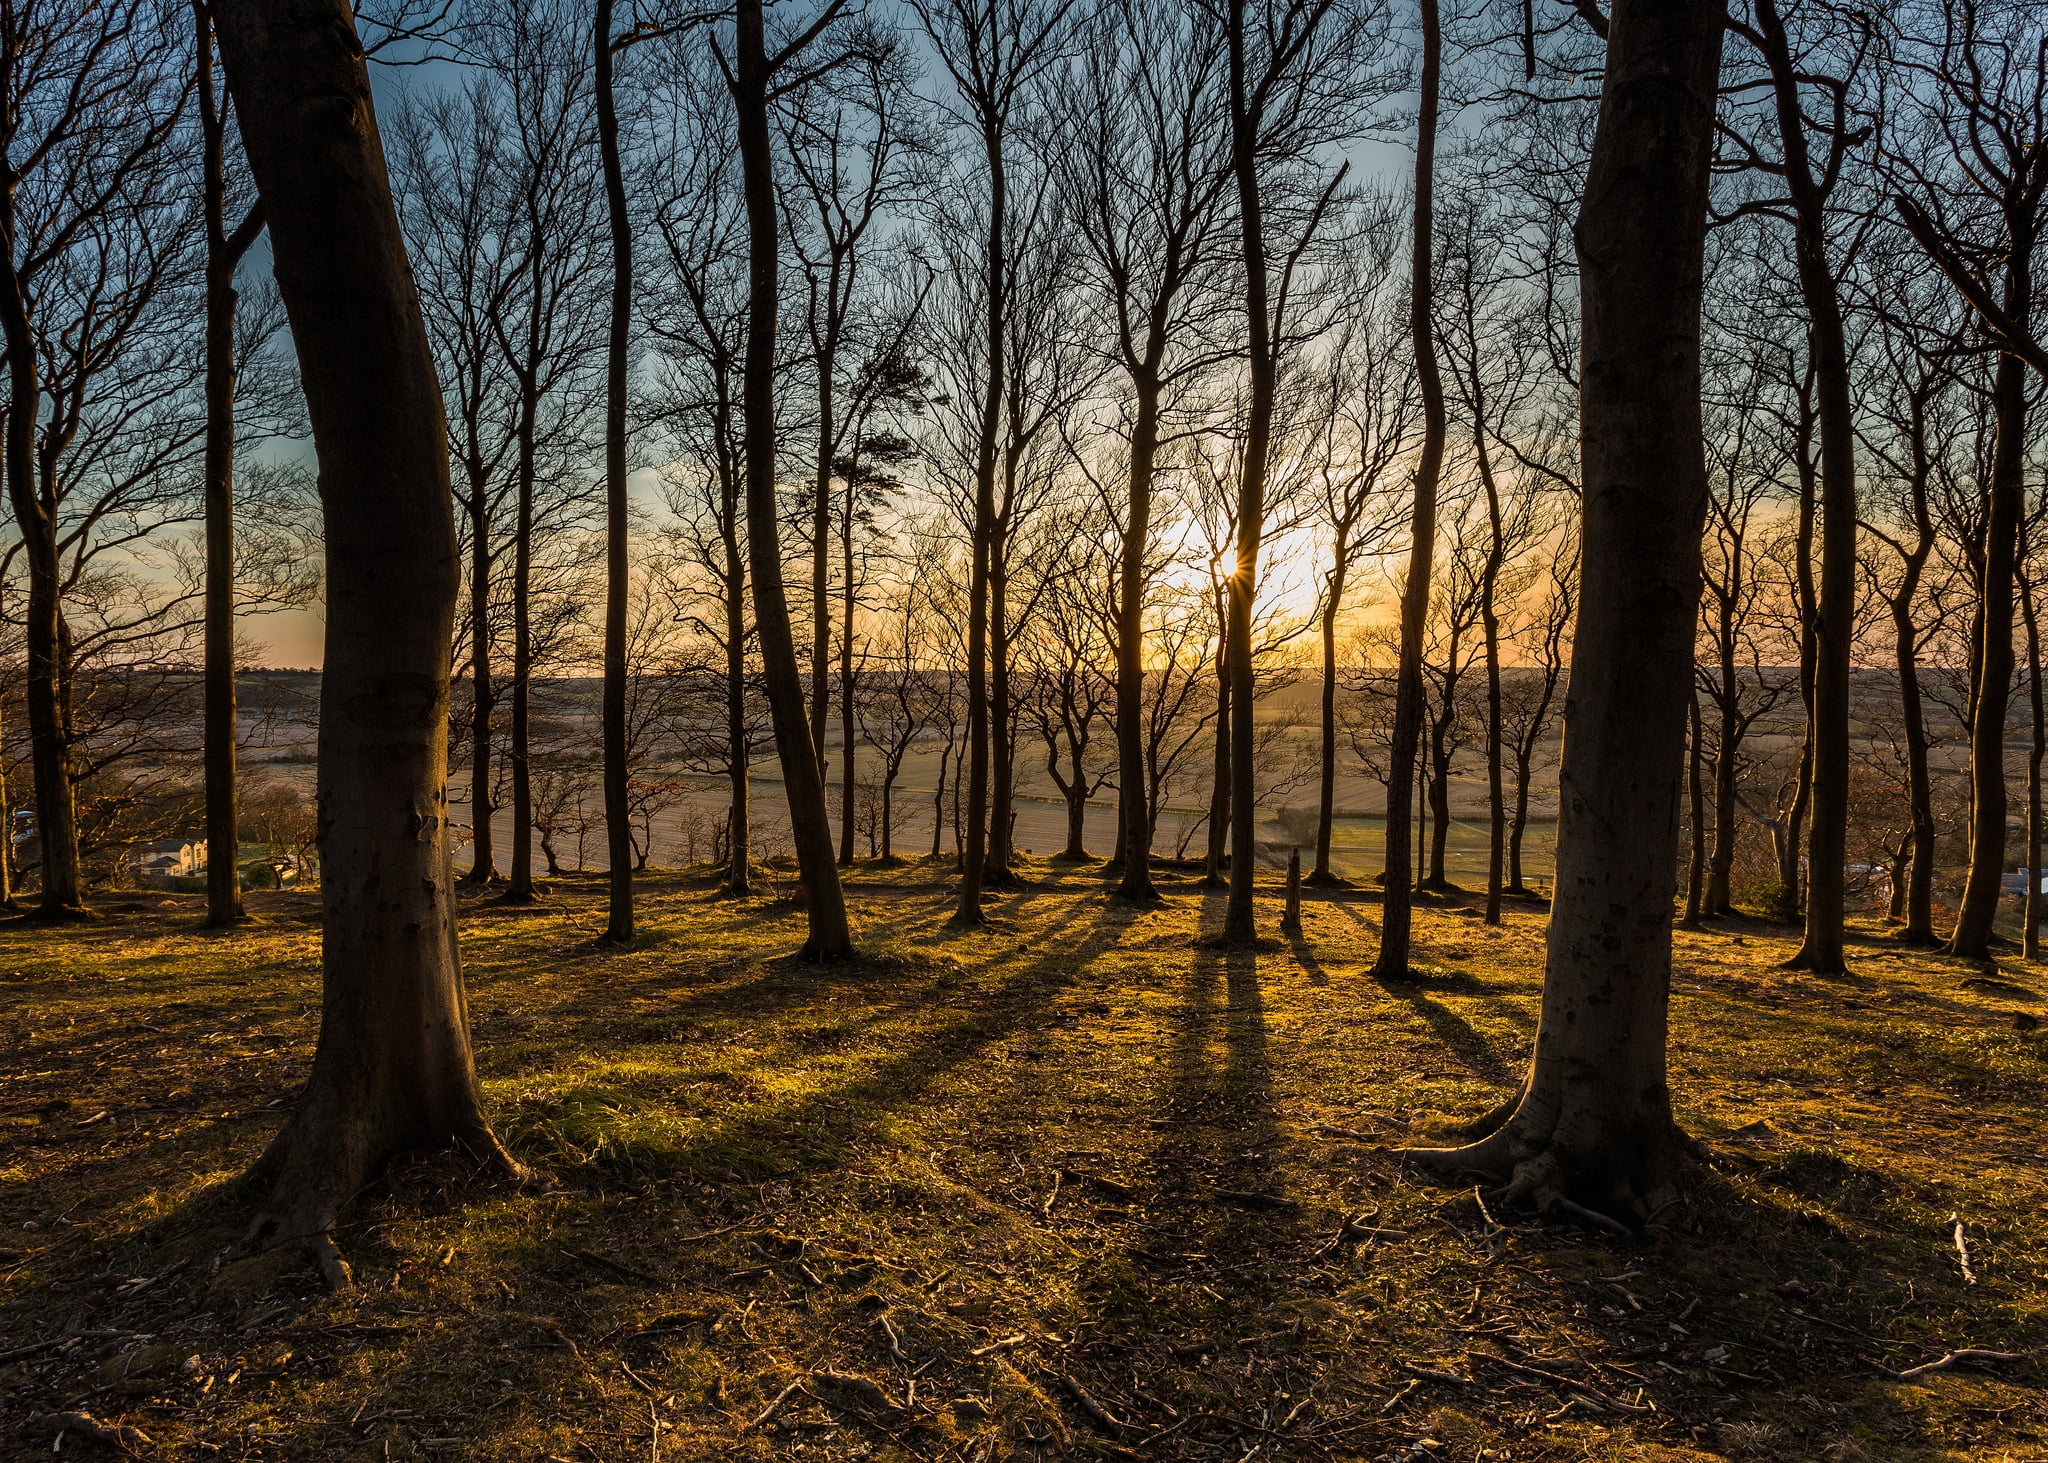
(1002, 801)
(1591, 1130)
(1217, 858)
(1695, 880)
(483, 860)
(35, 516)
(2030, 937)
(1981, 890)
(519, 886)
(848, 715)
(1396, 913)
(393, 1069)
(1326, 787)
(1239, 926)
(974, 851)
(224, 251)
(1835, 623)
(810, 825)
(1134, 813)
(617, 520)
(739, 876)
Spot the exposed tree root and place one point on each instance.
(312, 1171)
(1584, 1165)
(58, 914)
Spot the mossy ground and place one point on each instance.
(939, 1185)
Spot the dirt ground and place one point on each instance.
(1072, 1187)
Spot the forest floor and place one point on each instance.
(1075, 1186)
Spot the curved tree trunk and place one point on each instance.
(224, 253)
(810, 825)
(1396, 914)
(1834, 624)
(1591, 1130)
(1981, 890)
(393, 1069)
(49, 747)
(617, 507)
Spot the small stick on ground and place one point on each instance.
(1965, 1357)
(1401, 1396)
(1003, 1345)
(1093, 1410)
(769, 1411)
(1962, 1250)
(895, 1341)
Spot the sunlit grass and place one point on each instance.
(1077, 1143)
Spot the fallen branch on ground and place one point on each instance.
(1968, 1356)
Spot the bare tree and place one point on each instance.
(754, 76)
(225, 246)
(91, 102)
(1396, 916)
(393, 1069)
(995, 55)
(1976, 199)
(1139, 152)
(1591, 1129)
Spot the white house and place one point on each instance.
(170, 858)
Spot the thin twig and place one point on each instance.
(1962, 1250)
(769, 1411)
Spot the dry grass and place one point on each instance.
(938, 1186)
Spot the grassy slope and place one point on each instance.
(1077, 1144)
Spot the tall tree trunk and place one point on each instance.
(519, 887)
(6, 837)
(739, 877)
(1239, 925)
(1439, 800)
(393, 1069)
(483, 860)
(1918, 907)
(1696, 870)
(1592, 1127)
(1217, 857)
(1981, 890)
(1835, 622)
(821, 540)
(2030, 913)
(848, 730)
(1396, 914)
(1002, 800)
(1789, 839)
(1720, 896)
(810, 825)
(974, 853)
(1134, 814)
(939, 801)
(1489, 626)
(224, 251)
(617, 507)
(49, 746)
(1326, 787)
